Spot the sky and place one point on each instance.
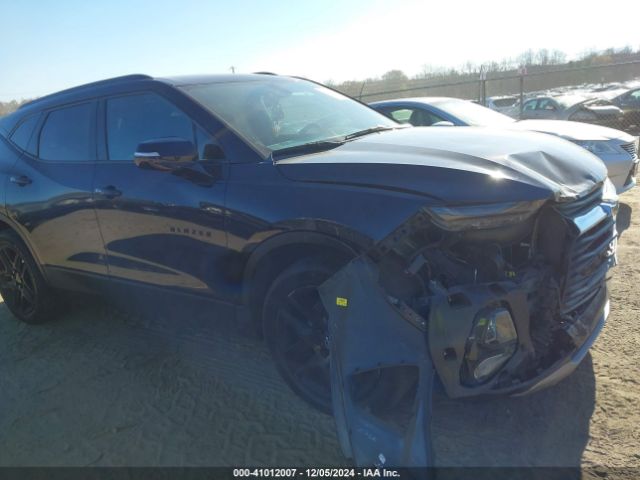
(48, 45)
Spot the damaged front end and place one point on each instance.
(495, 299)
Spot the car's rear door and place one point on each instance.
(49, 195)
(160, 229)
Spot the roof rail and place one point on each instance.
(108, 81)
(265, 73)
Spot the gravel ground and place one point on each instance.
(99, 387)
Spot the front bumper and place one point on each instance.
(370, 332)
(564, 367)
(389, 337)
(526, 372)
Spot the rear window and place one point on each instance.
(67, 134)
(505, 102)
(23, 135)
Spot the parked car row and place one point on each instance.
(372, 256)
(615, 105)
(617, 149)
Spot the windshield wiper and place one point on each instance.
(310, 147)
(367, 131)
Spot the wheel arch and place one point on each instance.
(277, 253)
(7, 224)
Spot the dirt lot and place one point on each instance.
(99, 387)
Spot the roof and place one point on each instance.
(184, 80)
(87, 86)
(127, 79)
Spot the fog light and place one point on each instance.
(492, 342)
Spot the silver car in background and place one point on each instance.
(617, 149)
(572, 107)
(507, 104)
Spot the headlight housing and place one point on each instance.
(596, 146)
(483, 216)
(492, 342)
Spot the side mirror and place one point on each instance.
(212, 152)
(165, 154)
(443, 123)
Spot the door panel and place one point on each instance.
(161, 229)
(546, 109)
(51, 199)
(529, 110)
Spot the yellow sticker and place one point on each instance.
(341, 302)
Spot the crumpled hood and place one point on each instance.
(456, 165)
(575, 131)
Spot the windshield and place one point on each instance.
(273, 113)
(473, 114)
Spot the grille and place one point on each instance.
(630, 148)
(588, 256)
(582, 204)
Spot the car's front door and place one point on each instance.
(49, 195)
(529, 109)
(546, 109)
(160, 228)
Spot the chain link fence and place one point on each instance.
(613, 91)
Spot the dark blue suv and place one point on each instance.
(370, 255)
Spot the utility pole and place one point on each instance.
(522, 72)
(483, 86)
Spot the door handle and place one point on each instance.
(20, 180)
(108, 192)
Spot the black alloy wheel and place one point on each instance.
(16, 282)
(22, 286)
(296, 330)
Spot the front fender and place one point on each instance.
(381, 371)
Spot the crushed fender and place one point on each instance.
(381, 371)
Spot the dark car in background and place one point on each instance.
(572, 107)
(628, 100)
(369, 255)
(617, 149)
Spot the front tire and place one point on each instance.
(296, 330)
(23, 288)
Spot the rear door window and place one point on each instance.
(134, 119)
(68, 134)
(23, 135)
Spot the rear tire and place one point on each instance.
(23, 288)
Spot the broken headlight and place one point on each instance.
(492, 342)
(483, 216)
